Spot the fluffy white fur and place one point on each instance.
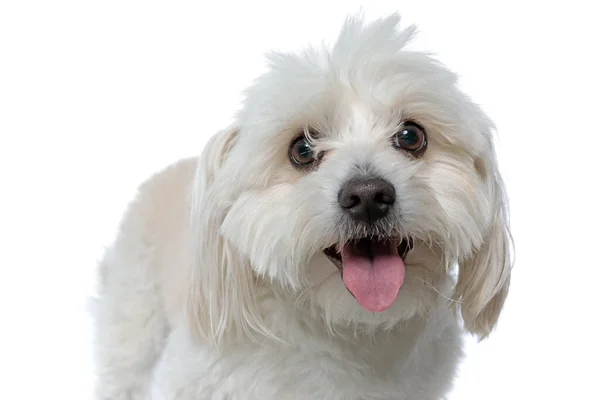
(216, 286)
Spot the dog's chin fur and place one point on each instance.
(217, 286)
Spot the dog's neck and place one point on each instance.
(291, 321)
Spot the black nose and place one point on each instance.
(368, 199)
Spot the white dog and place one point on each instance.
(310, 251)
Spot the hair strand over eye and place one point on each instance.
(301, 153)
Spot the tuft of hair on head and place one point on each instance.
(359, 40)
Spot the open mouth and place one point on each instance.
(372, 269)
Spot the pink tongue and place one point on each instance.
(373, 272)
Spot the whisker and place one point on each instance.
(437, 291)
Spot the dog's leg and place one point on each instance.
(132, 312)
(130, 322)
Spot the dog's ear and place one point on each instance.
(213, 156)
(220, 298)
(484, 275)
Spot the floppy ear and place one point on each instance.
(213, 156)
(484, 275)
(220, 297)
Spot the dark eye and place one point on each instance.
(411, 137)
(301, 154)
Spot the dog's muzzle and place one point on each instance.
(371, 265)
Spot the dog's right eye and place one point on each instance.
(301, 154)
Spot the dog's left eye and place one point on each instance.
(411, 137)
(301, 154)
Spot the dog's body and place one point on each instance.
(238, 276)
(140, 349)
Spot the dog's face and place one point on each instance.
(355, 179)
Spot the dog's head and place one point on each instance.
(354, 178)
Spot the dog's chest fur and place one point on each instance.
(416, 364)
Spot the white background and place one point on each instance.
(95, 96)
